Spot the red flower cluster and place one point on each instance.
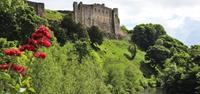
(18, 68)
(4, 66)
(41, 37)
(12, 51)
(27, 47)
(40, 55)
(14, 67)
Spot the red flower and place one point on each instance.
(32, 42)
(4, 66)
(48, 35)
(18, 69)
(12, 51)
(27, 47)
(41, 36)
(37, 35)
(46, 43)
(42, 29)
(40, 55)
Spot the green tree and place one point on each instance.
(74, 31)
(195, 54)
(133, 50)
(145, 35)
(157, 54)
(59, 32)
(174, 45)
(96, 37)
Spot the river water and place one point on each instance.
(153, 91)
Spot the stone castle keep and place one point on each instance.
(97, 15)
(106, 19)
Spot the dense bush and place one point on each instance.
(145, 35)
(174, 65)
(96, 36)
(17, 20)
(157, 54)
(67, 30)
(74, 31)
(58, 31)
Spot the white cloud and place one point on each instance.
(172, 14)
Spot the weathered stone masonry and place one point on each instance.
(97, 15)
(90, 15)
(38, 7)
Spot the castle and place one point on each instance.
(106, 19)
(38, 7)
(97, 15)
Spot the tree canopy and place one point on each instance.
(145, 35)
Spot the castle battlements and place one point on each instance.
(97, 15)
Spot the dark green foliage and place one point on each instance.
(17, 20)
(178, 74)
(174, 45)
(59, 32)
(96, 37)
(157, 54)
(145, 35)
(133, 50)
(195, 54)
(67, 30)
(176, 65)
(74, 31)
(82, 49)
(8, 30)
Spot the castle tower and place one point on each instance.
(97, 15)
(75, 8)
(116, 22)
(38, 7)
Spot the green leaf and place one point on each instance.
(17, 87)
(4, 76)
(31, 89)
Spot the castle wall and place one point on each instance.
(38, 7)
(96, 15)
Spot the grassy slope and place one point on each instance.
(116, 63)
(117, 48)
(53, 15)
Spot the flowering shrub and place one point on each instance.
(41, 37)
(12, 51)
(40, 55)
(4, 66)
(27, 47)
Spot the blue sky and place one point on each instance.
(180, 18)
